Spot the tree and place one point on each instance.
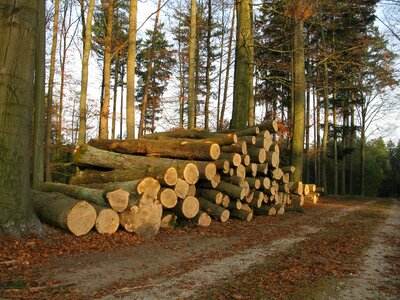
(108, 9)
(155, 49)
(50, 90)
(192, 56)
(130, 85)
(85, 66)
(299, 10)
(18, 40)
(149, 70)
(39, 119)
(243, 83)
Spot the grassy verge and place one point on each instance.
(311, 268)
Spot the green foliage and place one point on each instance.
(162, 61)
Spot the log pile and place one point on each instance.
(175, 177)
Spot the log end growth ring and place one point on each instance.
(81, 218)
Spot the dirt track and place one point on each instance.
(356, 256)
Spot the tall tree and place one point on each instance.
(39, 119)
(50, 90)
(243, 85)
(149, 71)
(87, 43)
(18, 40)
(192, 65)
(108, 9)
(299, 10)
(130, 85)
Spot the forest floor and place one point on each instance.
(341, 248)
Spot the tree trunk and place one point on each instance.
(76, 216)
(50, 90)
(299, 101)
(192, 63)
(208, 67)
(326, 115)
(87, 43)
(108, 9)
(18, 29)
(131, 64)
(243, 87)
(39, 119)
(228, 65)
(166, 148)
(115, 94)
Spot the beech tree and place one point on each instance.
(18, 40)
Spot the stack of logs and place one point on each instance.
(176, 176)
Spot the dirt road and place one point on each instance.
(338, 249)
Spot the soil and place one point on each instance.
(338, 249)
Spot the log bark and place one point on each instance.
(143, 219)
(75, 216)
(117, 199)
(222, 165)
(107, 221)
(296, 187)
(240, 147)
(252, 169)
(85, 155)
(272, 158)
(219, 138)
(257, 155)
(233, 191)
(265, 210)
(248, 139)
(254, 183)
(207, 170)
(211, 195)
(172, 148)
(234, 159)
(270, 125)
(234, 205)
(146, 185)
(288, 169)
(187, 208)
(262, 168)
(214, 210)
(242, 214)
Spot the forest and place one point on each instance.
(74, 70)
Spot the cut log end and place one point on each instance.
(118, 199)
(149, 186)
(215, 151)
(225, 216)
(191, 173)
(190, 207)
(203, 219)
(168, 198)
(81, 218)
(170, 176)
(107, 221)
